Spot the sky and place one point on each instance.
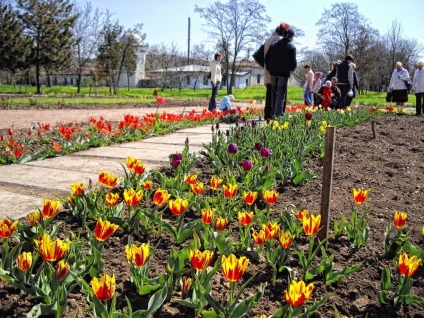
(166, 21)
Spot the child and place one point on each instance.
(225, 103)
(326, 95)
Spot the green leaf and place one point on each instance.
(413, 299)
(334, 276)
(311, 309)
(243, 307)
(222, 242)
(148, 289)
(156, 301)
(386, 278)
(303, 176)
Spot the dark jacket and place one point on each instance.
(342, 73)
(280, 59)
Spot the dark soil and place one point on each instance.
(391, 165)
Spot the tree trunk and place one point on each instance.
(79, 76)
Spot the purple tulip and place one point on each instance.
(232, 149)
(247, 165)
(258, 146)
(243, 119)
(238, 136)
(177, 159)
(265, 152)
(227, 133)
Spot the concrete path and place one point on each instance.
(23, 187)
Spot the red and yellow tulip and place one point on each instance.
(221, 224)
(50, 208)
(230, 190)
(34, 218)
(271, 229)
(408, 266)
(139, 168)
(207, 215)
(62, 270)
(285, 239)
(301, 214)
(186, 284)
(112, 199)
(147, 185)
(178, 206)
(233, 268)
(107, 179)
(191, 179)
(311, 225)
(104, 229)
(270, 196)
(201, 260)
(7, 228)
(77, 188)
(161, 196)
(259, 237)
(131, 162)
(215, 183)
(359, 195)
(138, 255)
(298, 293)
(105, 288)
(399, 219)
(24, 261)
(132, 198)
(197, 187)
(245, 217)
(250, 197)
(51, 250)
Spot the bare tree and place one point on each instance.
(161, 62)
(87, 33)
(234, 26)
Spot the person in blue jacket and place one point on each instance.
(225, 103)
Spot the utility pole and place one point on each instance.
(188, 44)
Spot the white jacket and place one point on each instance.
(397, 83)
(215, 67)
(418, 84)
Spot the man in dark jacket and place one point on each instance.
(280, 61)
(344, 74)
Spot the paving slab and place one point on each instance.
(15, 205)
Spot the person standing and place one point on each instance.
(398, 84)
(344, 75)
(316, 85)
(280, 61)
(355, 86)
(276, 36)
(418, 87)
(309, 81)
(215, 67)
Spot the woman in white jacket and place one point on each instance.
(418, 87)
(215, 67)
(398, 84)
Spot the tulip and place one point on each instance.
(301, 214)
(50, 208)
(399, 219)
(112, 199)
(270, 196)
(258, 146)
(7, 228)
(138, 255)
(215, 183)
(271, 229)
(51, 250)
(311, 225)
(177, 158)
(298, 293)
(191, 179)
(265, 152)
(359, 196)
(24, 261)
(285, 239)
(408, 266)
(105, 288)
(104, 229)
(247, 165)
(197, 188)
(34, 218)
(178, 206)
(131, 162)
(259, 237)
(147, 185)
(245, 217)
(250, 197)
(201, 260)
(160, 100)
(221, 224)
(62, 270)
(139, 168)
(77, 188)
(232, 149)
(186, 284)
(161, 196)
(233, 268)
(10, 131)
(308, 116)
(230, 190)
(207, 215)
(422, 231)
(132, 198)
(107, 179)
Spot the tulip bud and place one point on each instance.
(217, 126)
(1, 137)
(10, 131)
(243, 119)
(227, 133)
(265, 152)
(232, 149)
(212, 128)
(62, 269)
(187, 281)
(258, 146)
(247, 165)
(308, 116)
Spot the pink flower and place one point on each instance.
(160, 100)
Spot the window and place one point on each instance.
(205, 80)
(188, 80)
(247, 82)
(258, 78)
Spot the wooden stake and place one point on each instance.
(373, 129)
(327, 181)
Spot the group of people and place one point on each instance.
(334, 91)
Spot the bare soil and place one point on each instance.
(391, 165)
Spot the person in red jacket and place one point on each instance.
(326, 95)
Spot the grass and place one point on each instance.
(68, 95)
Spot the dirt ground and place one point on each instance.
(391, 165)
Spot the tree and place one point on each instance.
(14, 47)
(234, 26)
(87, 32)
(49, 24)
